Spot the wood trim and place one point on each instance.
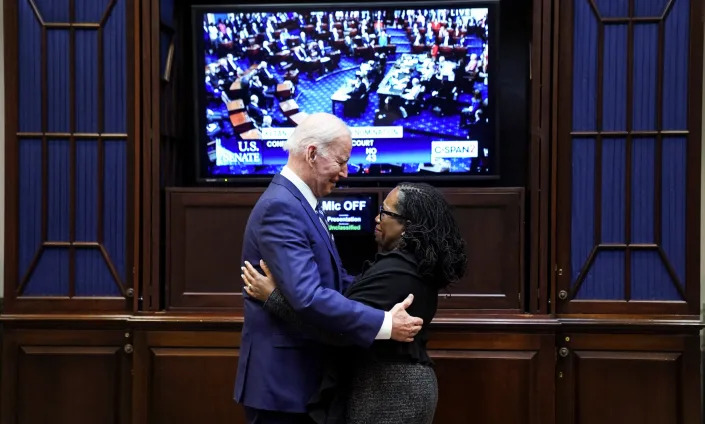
(562, 126)
(539, 159)
(149, 213)
(132, 192)
(11, 71)
(154, 166)
(693, 194)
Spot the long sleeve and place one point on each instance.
(286, 247)
(278, 306)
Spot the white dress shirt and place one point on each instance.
(385, 332)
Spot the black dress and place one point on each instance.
(391, 382)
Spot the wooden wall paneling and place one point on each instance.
(494, 377)
(66, 376)
(492, 223)
(204, 238)
(204, 245)
(186, 377)
(628, 378)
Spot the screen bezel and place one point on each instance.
(198, 61)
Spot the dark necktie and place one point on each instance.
(322, 218)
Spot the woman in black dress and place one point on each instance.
(391, 382)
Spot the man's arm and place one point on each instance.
(285, 247)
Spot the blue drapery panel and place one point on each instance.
(614, 74)
(585, 68)
(72, 163)
(620, 246)
(605, 279)
(583, 204)
(643, 196)
(30, 81)
(115, 198)
(87, 84)
(115, 71)
(645, 76)
(58, 73)
(90, 10)
(87, 190)
(675, 67)
(30, 201)
(673, 202)
(613, 203)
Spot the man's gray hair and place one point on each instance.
(318, 129)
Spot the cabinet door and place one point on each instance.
(69, 146)
(628, 157)
(493, 377)
(66, 377)
(623, 378)
(185, 377)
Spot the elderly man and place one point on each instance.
(279, 369)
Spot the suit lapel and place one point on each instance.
(278, 179)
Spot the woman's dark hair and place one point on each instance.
(431, 234)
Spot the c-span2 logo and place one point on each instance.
(453, 149)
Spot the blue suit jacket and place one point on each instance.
(279, 369)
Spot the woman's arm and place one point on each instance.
(263, 288)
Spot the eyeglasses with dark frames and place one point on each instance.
(383, 212)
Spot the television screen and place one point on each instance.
(350, 213)
(412, 82)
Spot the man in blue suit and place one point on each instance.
(279, 370)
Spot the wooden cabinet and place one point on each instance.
(66, 376)
(154, 370)
(186, 377)
(493, 377)
(628, 378)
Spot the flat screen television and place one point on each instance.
(411, 80)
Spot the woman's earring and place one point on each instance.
(402, 233)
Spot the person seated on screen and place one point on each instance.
(266, 51)
(258, 89)
(260, 116)
(472, 69)
(434, 50)
(473, 114)
(444, 100)
(283, 36)
(411, 98)
(314, 51)
(445, 37)
(413, 91)
(383, 39)
(269, 34)
(266, 74)
(382, 61)
(349, 45)
(359, 88)
(301, 54)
